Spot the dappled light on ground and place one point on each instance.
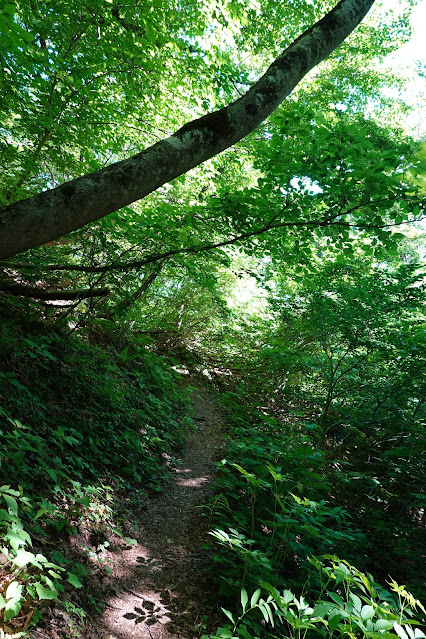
(185, 478)
(159, 587)
(192, 482)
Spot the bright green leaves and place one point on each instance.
(266, 607)
(82, 85)
(34, 578)
(228, 614)
(13, 34)
(346, 178)
(331, 615)
(255, 597)
(244, 599)
(23, 557)
(326, 185)
(45, 593)
(74, 580)
(418, 170)
(11, 602)
(10, 501)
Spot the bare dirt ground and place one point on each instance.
(159, 589)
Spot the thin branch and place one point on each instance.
(128, 26)
(125, 303)
(198, 248)
(34, 292)
(354, 365)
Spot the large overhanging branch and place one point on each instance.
(51, 214)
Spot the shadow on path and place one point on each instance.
(160, 588)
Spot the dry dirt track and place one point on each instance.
(160, 586)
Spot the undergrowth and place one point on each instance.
(279, 523)
(85, 421)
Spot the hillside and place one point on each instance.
(212, 320)
(109, 500)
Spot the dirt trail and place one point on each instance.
(160, 586)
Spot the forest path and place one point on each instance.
(160, 585)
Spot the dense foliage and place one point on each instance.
(291, 267)
(85, 427)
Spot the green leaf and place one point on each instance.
(53, 474)
(333, 622)
(244, 599)
(12, 504)
(383, 624)
(53, 573)
(23, 557)
(264, 610)
(130, 541)
(74, 580)
(287, 596)
(270, 613)
(40, 513)
(336, 598)
(14, 590)
(255, 597)
(409, 631)
(17, 538)
(5, 516)
(10, 491)
(12, 609)
(45, 593)
(28, 37)
(322, 609)
(228, 614)
(356, 601)
(367, 612)
(9, 8)
(400, 631)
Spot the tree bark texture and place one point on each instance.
(51, 214)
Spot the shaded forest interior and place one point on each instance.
(260, 318)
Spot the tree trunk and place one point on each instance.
(51, 214)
